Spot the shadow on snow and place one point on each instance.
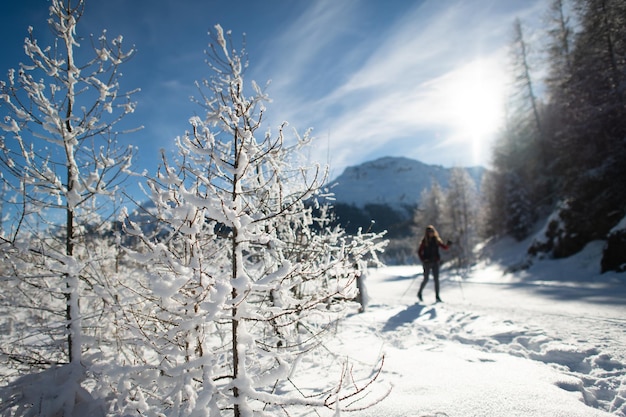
(408, 315)
(603, 293)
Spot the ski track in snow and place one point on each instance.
(583, 341)
(593, 373)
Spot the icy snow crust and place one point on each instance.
(547, 341)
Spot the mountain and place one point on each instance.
(396, 182)
(382, 195)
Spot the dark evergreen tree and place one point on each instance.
(518, 206)
(572, 148)
(588, 116)
(524, 86)
(493, 210)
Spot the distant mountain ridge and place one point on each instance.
(396, 182)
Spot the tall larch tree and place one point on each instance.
(521, 150)
(62, 168)
(245, 280)
(591, 131)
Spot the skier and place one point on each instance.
(428, 253)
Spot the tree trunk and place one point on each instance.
(235, 324)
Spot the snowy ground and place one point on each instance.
(546, 341)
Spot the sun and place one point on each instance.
(475, 102)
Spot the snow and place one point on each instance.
(543, 341)
(620, 226)
(546, 341)
(394, 181)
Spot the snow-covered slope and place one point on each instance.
(393, 181)
(544, 342)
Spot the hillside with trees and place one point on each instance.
(562, 152)
(560, 156)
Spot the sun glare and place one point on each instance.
(475, 102)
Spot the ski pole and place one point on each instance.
(410, 284)
(461, 276)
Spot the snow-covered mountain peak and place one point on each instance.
(393, 181)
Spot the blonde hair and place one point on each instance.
(426, 240)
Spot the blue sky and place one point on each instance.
(421, 79)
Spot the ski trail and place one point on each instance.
(583, 342)
(586, 367)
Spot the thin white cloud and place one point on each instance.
(408, 87)
(306, 40)
(400, 91)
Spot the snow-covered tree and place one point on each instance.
(462, 212)
(431, 209)
(62, 167)
(242, 279)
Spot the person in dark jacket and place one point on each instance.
(428, 253)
